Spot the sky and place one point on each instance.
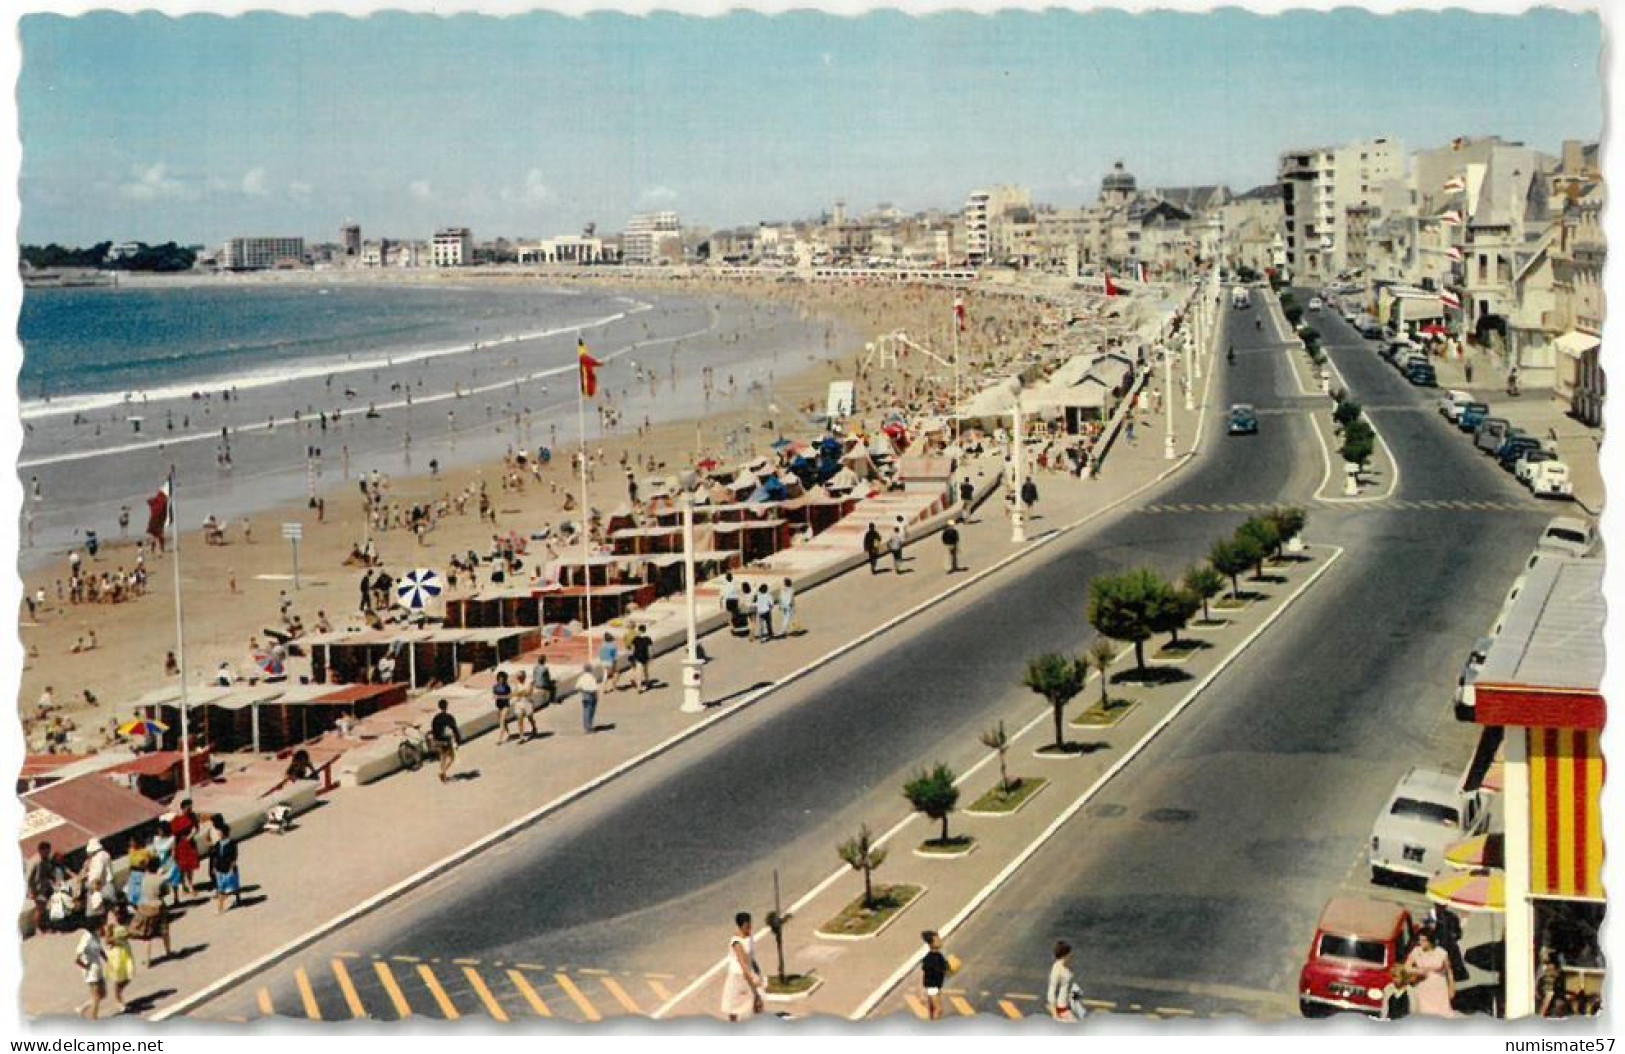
(196, 129)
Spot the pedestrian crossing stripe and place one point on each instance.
(492, 1007)
(577, 998)
(351, 998)
(1011, 1011)
(961, 1006)
(529, 994)
(448, 1009)
(660, 990)
(386, 977)
(918, 1007)
(621, 996)
(307, 995)
(263, 997)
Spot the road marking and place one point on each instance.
(577, 997)
(529, 993)
(432, 982)
(530, 966)
(621, 996)
(1010, 1009)
(492, 1007)
(661, 992)
(1334, 553)
(591, 971)
(306, 996)
(386, 977)
(264, 998)
(406, 958)
(964, 1008)
(1176, 1011)
(918, 1007)
(352, 999)
(466, 962)
(1098, 1004)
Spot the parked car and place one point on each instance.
(1396, 352)
(1491, 433)
(1243, 420)
(1422, 376)
(1350, 964)
(1525, 465)
(1514, 447)
(1426, 812)
(1471, 416)
(1465, 700)
(1315, 303)
(1567, 536)
(1451, 403)
(1551, 479)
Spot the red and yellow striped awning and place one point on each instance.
(1565, 814)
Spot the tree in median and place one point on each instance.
(1346, 412)
(1230, 557)
(1175, 612)
(1264, 535)
(1101, 656)
(861, 854)
(997, 740)
(1359, 443)
(1203, 581)
(1058, 679)
(935, 794)
(1289, 520)
(1125, 607)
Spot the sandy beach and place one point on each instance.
(232, 592)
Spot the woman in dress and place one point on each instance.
(91, 957)
(120, 959)
(151, 919)
(223, 859)
(742, 987)
(163, 848)
(184, 827)
(1435, 982)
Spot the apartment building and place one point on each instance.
(1318, 187)
(653, 237)
(452, 247)
(262, 254)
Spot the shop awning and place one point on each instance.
(1575, 344)
(1565, 813)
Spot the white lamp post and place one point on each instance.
(693, 696)
(1168, 404)
(1018, 518)
(1190, 373)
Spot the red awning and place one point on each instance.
(88, 807)
(155, 764)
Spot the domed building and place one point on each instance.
(1118, 187)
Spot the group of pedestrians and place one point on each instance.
(752, 610)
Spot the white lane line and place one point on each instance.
(909, 964)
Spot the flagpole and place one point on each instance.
(180, 643)
(586, 519)
(958, 417)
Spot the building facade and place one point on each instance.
(452, 247)
(653, 237)
(1318, 188)
(261, 254)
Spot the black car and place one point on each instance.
(1422, 376)
(1243, 420)
(1514, 448)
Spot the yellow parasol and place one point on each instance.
(1469, 890)
(1485, 850)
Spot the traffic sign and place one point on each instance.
(293, 531)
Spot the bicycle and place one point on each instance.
(415, 748)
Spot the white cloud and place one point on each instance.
(299, 191)
(254, 183)
(534, 192)
(151, 182)
(658, 195)
(421, 190)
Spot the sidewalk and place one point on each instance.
(366, 844)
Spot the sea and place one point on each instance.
(253, 394)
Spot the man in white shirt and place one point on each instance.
(587, 686)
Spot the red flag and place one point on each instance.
(1449, 299)
(959, 312)
(589, 369)
(158, 515)
(1111, 287)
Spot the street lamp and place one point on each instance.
(1018, 520)
(693, 698)
(1168, 404)
(1190, 373)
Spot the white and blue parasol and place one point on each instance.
(419, 589)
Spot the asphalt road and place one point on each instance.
(1194, 881)
(639, 878)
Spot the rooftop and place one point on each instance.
(1553, 634)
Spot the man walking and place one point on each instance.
(445, 735)
(787, 607)
(764, 613)
(950, 542)
(967, 493)
(894, 545)
(871, 548)
(587, 686)
(642, 650)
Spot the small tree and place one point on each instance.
(1176, 612)
(861, 854)
(1230, 557)
(1289, 521)
(935, 794)
(1058, 679)
(1123, 607)
(1204, 582)
(1346, 412)
(997, 740)
(1101, 656)
(1359, 443)
(1264, 536)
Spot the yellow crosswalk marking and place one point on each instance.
(352, 999)
(306, 995)
(577, 998)
(918, 1007)
(529, 993)
(433, 984)
(661, 992)
(1010, 1009)
(477, 982)
(386, 977)
(621, 996)
(964, 1008)
(264, 997)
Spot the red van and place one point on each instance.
(1351, 960)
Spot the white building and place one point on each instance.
(452, 247)
(652, 237)
(568, 249)
(1318, 188)
(261, 254)
(984, 213)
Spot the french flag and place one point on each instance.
(1450, 300)
(959, 312)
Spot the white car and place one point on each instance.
(1315, 303)
(1452, 402)
(1551, 479)
(1426, 813)
(1567, 536)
